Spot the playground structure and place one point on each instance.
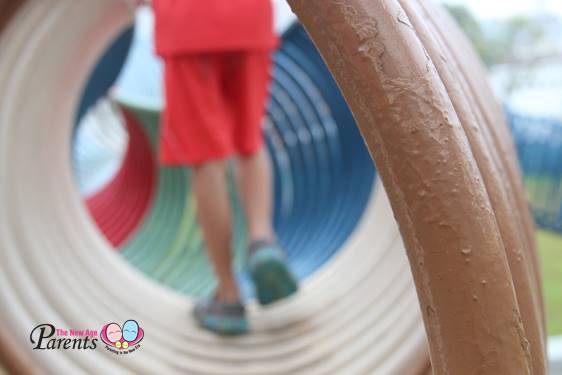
(357, 311)
(539, 146)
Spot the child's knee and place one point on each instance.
(210, 165)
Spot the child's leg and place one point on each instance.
(197, 131)
(255, 189)
(267, 261)
(246, 87)
(213, 212)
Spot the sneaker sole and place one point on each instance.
(272, 277)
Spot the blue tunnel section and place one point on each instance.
(320, 149)
(105, 73)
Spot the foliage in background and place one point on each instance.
(501, 41)
(472, 29)
(518, 42)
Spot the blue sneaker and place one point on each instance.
(270, 272)
(221, 317)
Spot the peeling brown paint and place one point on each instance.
(443, 170)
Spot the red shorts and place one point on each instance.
(215, 105)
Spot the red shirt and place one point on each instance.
(187, 26)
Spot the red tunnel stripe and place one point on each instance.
(120, 206)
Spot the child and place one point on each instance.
(217, 58)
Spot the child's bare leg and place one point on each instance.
(269, 269)
(255, 189)
(213, 212)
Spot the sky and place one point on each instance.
(504, 8)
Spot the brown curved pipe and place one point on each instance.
(501, 138)
(493, 168)
(437, 189)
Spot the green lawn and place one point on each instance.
(550, 247)
(543, 191)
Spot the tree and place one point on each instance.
(514, 39)
(470, 25)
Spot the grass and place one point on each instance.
(543, 191)
(550, 248)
